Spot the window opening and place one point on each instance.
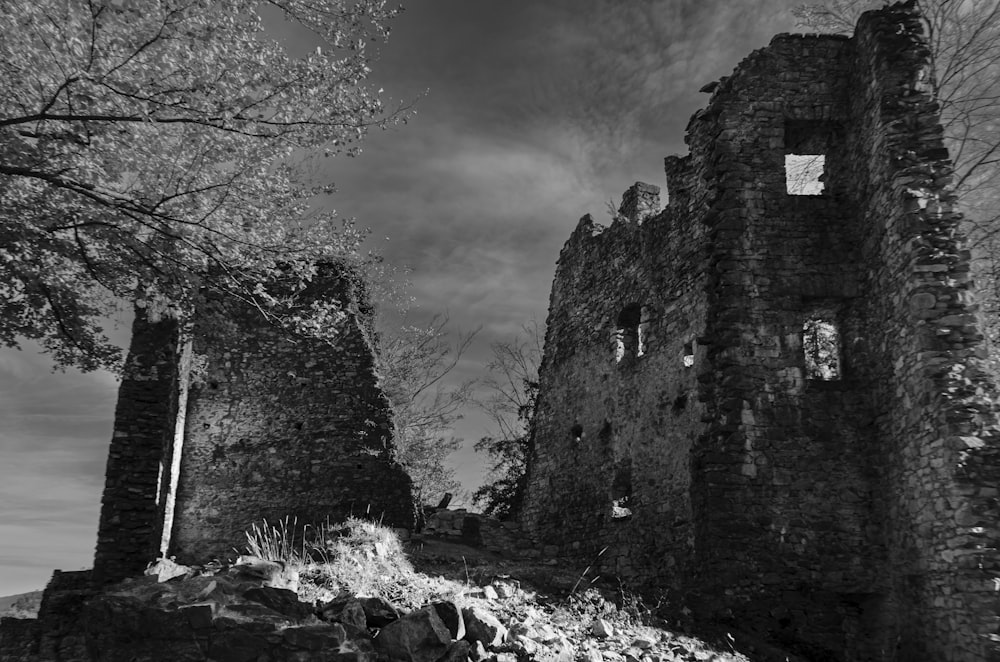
(821, 346)
(804, 174)
(628, 341)
(621, 494)
(688, 357)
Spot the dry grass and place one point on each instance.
(355, 557)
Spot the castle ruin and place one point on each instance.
(265, 426)
(770, 397)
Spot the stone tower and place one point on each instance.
(770, 398)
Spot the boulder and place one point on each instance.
(330, 638)
(281, 600)
(345, 610)
(458, 651)
(420, 636)
(477, 651)
(451, 615)
(269, 573)
(166, 569)
(481, 625)
(378, 612)
(601, 629)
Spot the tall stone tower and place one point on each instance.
(770, 397)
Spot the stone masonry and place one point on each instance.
(244, 423)
(772, 400)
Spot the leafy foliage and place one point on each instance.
(149, 148)
(514, 389)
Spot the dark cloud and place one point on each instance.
(529, 115)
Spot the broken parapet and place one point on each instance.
(640, 201)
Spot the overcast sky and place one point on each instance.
(529, 115)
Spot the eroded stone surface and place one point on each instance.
(691, 424)
(246, 424)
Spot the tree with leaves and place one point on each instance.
(513, 387)
(151, 148)
(415, 362)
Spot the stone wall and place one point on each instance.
(284, 427)
(131, 523)
(610, 430)
(693, 421)
(265, 425)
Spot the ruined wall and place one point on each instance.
(270, 426)
(279, 427)
(940, 453)
(782, 483)
(613, 426)
(131, 521)
(849, 513)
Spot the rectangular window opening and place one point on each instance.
(687, 359)
(621, 494)
(804, 174)
(628, 342)
(821, 346)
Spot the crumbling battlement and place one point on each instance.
(245, 422)
(771, 396)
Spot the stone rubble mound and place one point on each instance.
(250, 612)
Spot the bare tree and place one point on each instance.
(416, 362)
(964, 36)
(513, 388)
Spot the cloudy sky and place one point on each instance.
(529, 114)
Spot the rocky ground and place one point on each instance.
(363, 596)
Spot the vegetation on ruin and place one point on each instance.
(149, 149)
(562, 605)
(417, 362)
(513, 387)
(356, 556)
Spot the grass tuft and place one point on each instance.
(355, 557)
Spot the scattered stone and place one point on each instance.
(451, 615)
(481, 625)
(477, 651)
(166, 569)
(378, 612)
(602, 629)
(525, 644)
(199, 617)
(419, 636)
(458, 651)
(281, 600)
(490, 593)
(504, 590)
(270, 573)
(346, 610)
